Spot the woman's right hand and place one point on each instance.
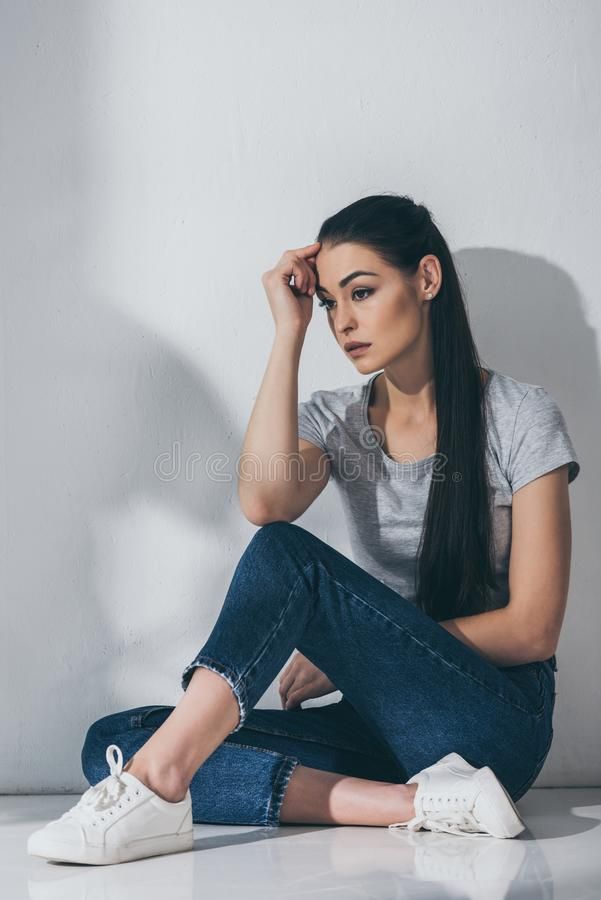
(292, 305)
(302, 680)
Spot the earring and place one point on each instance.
(428, 296)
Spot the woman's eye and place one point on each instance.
(366, 291)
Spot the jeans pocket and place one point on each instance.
(533, 687)
(152, 716)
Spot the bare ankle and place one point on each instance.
(406, 807)
(166, 781)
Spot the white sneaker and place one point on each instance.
(456, 797)
(116, 820)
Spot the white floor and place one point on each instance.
(558, 856)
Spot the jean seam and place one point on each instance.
(282, 778)
(263, 649)
(511, 703)
(541, 691)
(137, 720)
(252, 747)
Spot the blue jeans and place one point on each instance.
(412, 692)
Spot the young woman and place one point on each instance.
(442, 634)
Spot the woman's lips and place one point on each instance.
(357, 351)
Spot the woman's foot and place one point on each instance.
(454, 796)
(117, 820)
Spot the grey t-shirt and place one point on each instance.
(384, 499)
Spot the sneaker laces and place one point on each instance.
(447, 813)
(107, 793)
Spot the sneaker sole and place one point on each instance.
(55, 851)
(508, 822)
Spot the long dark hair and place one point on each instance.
(455, 569)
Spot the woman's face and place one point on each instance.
(384, 309)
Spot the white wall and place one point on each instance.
(157, 157)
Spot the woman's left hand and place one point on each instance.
(301, 680)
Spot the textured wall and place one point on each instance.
(157, 157)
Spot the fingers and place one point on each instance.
(300, 690)
(294, 699)
(304, 278)
(286, 681)
(284, 691)
(309, 250)
(292, 688)
(296, 681)
(302, 262)
(288, 699)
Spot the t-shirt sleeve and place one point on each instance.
(541, 441)
(315, 424)
(308, 424)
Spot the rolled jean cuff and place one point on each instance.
(232, 679)
(289, 764)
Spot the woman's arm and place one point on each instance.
(496, 635)
(269, 478)
(528, 628)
